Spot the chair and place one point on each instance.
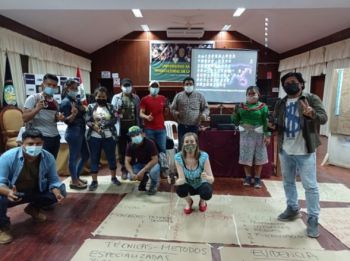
(169, 126)
(10, 123)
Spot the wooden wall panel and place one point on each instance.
(129, 57)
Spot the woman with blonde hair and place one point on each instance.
(195, 176)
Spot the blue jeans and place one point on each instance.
(182, 130)
(305, 167)
(96, 145)
(38, 200)
(159, 137)
(75, 137)
(52, 145)
(154, 173)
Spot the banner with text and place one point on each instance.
(171, 61)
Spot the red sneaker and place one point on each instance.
(188, 211)
(203, 208)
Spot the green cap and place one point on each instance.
(134, 130)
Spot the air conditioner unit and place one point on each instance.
(185, 32)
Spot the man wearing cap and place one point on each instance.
(141, 160)
(152, 111)
(189, 107)
(127, 105)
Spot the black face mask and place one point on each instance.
(291, 88)
(101, 102)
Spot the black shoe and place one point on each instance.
(289, 214)
(152, 191)
(93, 186)
(115, 181)
(143, 183)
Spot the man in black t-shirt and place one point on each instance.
(141, 160)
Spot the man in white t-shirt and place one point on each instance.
(41, 112)
(296, 118)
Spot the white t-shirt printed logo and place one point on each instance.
(292, 119)
(294, 143)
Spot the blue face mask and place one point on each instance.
(137, 139)
(73, 94)
(33, 151)
(154, 91)
(49, 91)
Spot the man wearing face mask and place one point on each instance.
(28, 175)
(189, 108)
(153, 107)
(41, 112)
(297, 117)
(141, 160)
(127, 105)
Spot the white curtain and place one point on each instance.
(17, 77)
(323, 60)
(21, 44)
(36, 66)
(43, 58)
(331, 89)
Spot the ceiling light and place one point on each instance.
(238, 12)
(266, 19)
(226, 27)
(145, 27)
(137, 13)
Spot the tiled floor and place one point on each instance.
(70, 223)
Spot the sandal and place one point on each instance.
(77, 186)
(84, 181)
(203, 208)
(188, 211)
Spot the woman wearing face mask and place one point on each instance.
(195, 176)
(101, 135)
(152, 111)
(252, 117)
(74, 113)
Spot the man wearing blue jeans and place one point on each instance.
(28, 175)
(141, 160)
(189, 108)
(296, 118)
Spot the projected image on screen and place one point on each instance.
(223, 75)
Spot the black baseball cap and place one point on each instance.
(126, 82)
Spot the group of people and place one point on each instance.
(29, 173)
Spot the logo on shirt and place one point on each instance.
(292, 120)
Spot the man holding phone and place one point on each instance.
(28, 175)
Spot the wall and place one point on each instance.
(129, 57)
(36, 35)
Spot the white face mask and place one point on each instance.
(127, 90)
(252, 99)
(189, 88)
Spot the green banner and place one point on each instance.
(171, 61)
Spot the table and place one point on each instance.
(223, 149)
